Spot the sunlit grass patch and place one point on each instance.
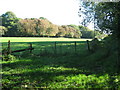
(80, 81)
(37, 39)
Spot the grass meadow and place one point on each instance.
(66, 66)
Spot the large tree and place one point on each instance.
(107, 19)
(9, 20)
(105, 15)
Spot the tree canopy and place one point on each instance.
(41, 27)
(105, 15)
(35, 27)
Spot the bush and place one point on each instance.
(8, 57)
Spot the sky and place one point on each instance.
(59, 12)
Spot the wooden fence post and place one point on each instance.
(75, 47)
(88, 45)
(55, 48)
(9, 51)
(30, 47)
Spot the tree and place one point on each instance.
(42, 18)
(86, 32)
(109, 22)
(36, 27)
(9, 20)
(107, 17)
(74, 26)
(86, 11)
(61, 31)
(49, 31)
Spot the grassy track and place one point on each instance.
(43, 68)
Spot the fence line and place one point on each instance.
(9, 51)
(88, 45)
(57, 46)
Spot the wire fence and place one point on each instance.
(44, 48)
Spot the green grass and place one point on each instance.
(43, 68)
(37, 39)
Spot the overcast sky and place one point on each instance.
(60, 12)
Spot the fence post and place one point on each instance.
(88, 45)
(75, 47)
(9, 51)
(30, 47)
(55, 48)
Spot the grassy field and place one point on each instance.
(37, 39)
(65, 68)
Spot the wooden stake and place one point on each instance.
(30, 47)
(75, 47)
(9, 51)
(55, 47)
(88, 45)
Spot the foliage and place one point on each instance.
(106, 19)
(42, 18)
(86, 11)
(8, 57)
(105, 15)
(74, 26)
(3, 30)
(82, 28)
(41, 27)
(9, 20)
(100, 35)
(36, 27)
(87, 34)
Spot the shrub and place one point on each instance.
(8, 57)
